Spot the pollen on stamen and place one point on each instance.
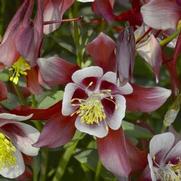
(90, 111)
(18, 69)
(7, 152)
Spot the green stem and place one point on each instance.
(88, 176)
(64, 160)
(19, 95)
(164, 128)
(77, 35)
(44, 164)
(170, 38)
(98, 171)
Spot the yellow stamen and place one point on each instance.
(7, 151)
(171, 172)
(91, 111)
(18, 69)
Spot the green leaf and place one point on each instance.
(136, 131)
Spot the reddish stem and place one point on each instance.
(62, 21)
(139, 39)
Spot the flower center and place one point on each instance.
(90, 110)
(7, 151)
(171, 172)
(18, 69)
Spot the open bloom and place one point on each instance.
(96, 100)
(15, 138)
(164, 158)
(93, 102)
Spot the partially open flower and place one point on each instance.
(165, 158)
(15, 138)
(96, 99)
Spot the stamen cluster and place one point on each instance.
(18, 69)
(7, 151)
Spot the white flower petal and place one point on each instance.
(67, 107)
(175, 152)
(126, 89)
(99, 130)
(14, 116)
(85, 1)
(161, 144)
(112, 78)
(150, 164)
(116, 119)
(24, 143)
(16, 170)
(93, 71)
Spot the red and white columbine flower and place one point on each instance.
(96, 99)
(164, 158)
(93, 102)
(15, 138)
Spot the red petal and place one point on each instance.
(101, 49)
(113, 153)
(104, 8)
(58, 131)
(178, 2)
(3, 92)
(8, 52)
(59, 71)
(146, 99)
(125, 55)
(53, 11)
(29, 38)
(38, 114)
(32, 81)
(161, 14)
(138, 158)
(175, 81)
(177, 50)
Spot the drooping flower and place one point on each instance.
(21, 43)
(125, 61)
(149, 49)
(164, 158)
(16, 138)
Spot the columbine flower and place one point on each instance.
(93, 102)
(20, 46)
(164, 158)
(15, 138)
(96, 100)
(149, 49)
